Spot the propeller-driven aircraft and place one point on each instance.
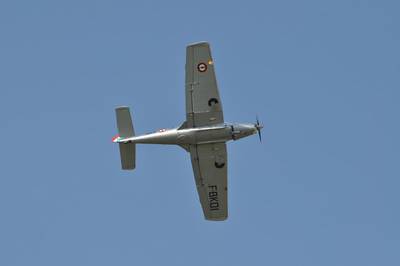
(203, 135)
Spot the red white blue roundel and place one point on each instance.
(202, 67)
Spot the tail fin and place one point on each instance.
(125, 129)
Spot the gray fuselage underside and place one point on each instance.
(191, 136)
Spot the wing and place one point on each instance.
(210, 164)
(203, 104)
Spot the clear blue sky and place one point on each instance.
(322, 189)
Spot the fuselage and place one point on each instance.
(199, 135)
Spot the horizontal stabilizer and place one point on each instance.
(128, 155)
(124, 122)
(125, 129)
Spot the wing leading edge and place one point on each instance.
(209, 162)
(203, 104)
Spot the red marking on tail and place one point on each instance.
(115, 137)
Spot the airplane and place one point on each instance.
(204, 133)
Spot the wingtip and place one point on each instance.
(198, 44)
(216, 218)
(122, 107)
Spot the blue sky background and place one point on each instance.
(322, 189)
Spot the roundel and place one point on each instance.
(202, 67)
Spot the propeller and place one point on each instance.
(258, 127)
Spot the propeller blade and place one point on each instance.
(259, 127)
